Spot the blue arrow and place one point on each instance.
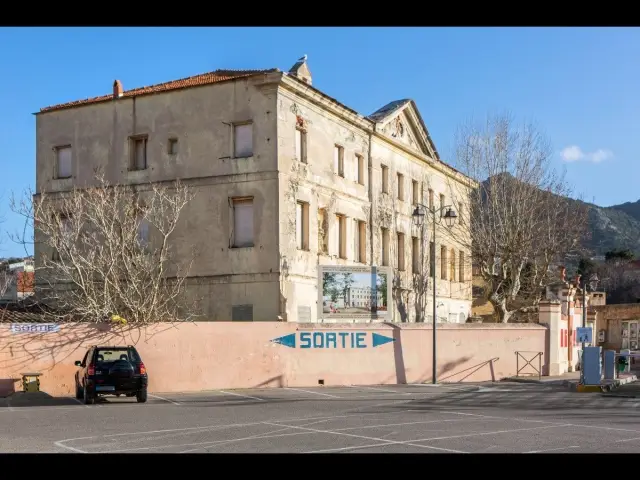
(286, 340)
(381, 339)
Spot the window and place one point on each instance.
(323, 231)
(242, 222)
(441, 205)
(172, 146)
(302, 225)
(400, 239)
(385, 179)
(242, 313)
(400, 187)
(461, 267)
(431, 199)
(143, 231)
(415, 192)
(243, 140)
(432, 259)
(63, 162)
(342, 236)
(452, 266)
(415, 254)
(138, 153)
(443, 262)
(360, 162)
(301, 145)
(385, 247)
(338, 160)
(361, 242)
(65, 232)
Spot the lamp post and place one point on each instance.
(593, 283)
(418, 217)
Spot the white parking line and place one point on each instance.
(553, 449)
(240, 395)
(162, 398)
(388, 442)
(309, 391)
(233, 425)
(81, 403)
(376, 389)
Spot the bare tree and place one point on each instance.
(105, 252)
(7, 278)
(520, 219)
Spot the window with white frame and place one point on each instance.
(400, 240)
(385, 178)
(243, 140)
(385, 246)
(302, 225)
(301, 145)
(242, 222)
(360, 163)
(138, 160)
(338, 160)
(342, 236)
(415, 254)
(361, 241)
(63, 162)
(400, 187)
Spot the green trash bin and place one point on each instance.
(622, 364)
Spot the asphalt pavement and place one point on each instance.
(458, 418)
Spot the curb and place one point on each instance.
(535, 381)
(609, 386)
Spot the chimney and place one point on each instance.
(300, 70)
(117, 89)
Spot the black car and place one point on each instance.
(111, 371)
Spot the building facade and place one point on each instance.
(286, 179)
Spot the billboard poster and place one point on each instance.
(354, 292)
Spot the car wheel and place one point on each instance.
(141, 396)
(88, 398)
(79, 392)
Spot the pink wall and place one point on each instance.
(214, 355)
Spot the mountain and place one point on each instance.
(615, 227)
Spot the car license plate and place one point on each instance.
(105, 388)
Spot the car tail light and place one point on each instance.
(91, 370)
(143, 369)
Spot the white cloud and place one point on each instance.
(575, 154)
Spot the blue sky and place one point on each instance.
(580, 85)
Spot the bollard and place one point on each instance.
(609, 364)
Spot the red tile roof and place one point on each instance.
(195, 81)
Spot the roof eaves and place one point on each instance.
(219, 76)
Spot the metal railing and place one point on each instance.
(527, 362)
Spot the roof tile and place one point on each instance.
(194, 81)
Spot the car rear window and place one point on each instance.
(108, 355)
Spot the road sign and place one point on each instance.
(332, 340)
(585, 335)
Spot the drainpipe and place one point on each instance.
(370, 193)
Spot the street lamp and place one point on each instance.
(450, 217)
(593, 283)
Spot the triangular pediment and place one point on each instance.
(401, 121)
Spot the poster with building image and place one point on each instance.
(354, 292)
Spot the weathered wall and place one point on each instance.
(199, 118)
(200, 356)
(318, 184)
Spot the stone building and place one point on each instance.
(286, 178)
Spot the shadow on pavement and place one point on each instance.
(37, 399)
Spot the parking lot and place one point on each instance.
(487, 418)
